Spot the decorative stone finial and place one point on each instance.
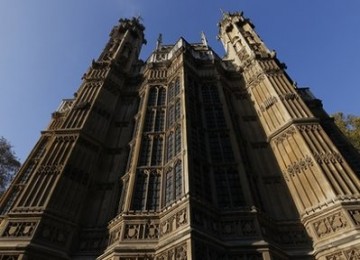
(203, 39)
(159, 41)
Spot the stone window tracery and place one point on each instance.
(157, 151)
(173, 183)
(147, 190)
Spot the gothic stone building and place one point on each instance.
(186, 156)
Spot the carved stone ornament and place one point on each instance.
(270, 101)
(351, 254)
(285, 135)
(19, 229)
(173, 222)
(309, 128)
(328, 157)
(131, 231)
(330, 224)
(299, 166)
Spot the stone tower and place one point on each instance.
(186, 156)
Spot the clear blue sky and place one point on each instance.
(46, 46)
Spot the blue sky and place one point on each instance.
(46, 46)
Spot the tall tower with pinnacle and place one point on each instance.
(186, 156)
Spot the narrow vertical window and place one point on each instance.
(157, 151)
(159, 122)
(177, 140)
(149, 120)
(124, 188)
(227, 151)
(161, 97)
(223, 196)
(169, 186)
(215, 148)
(171, 115)
(177, 109)
(170, 146)
(235, 187)
(171, 92)
(140, 191)
(177, 86)
(178, 180)
(153, 192)
(152, 97)
(145, 151)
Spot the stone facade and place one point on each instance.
(186, 156)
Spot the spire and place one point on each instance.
(159, 41)
(224, 14)
(203, 39)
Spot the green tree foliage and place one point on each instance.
(350, 126)
(9, 164)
